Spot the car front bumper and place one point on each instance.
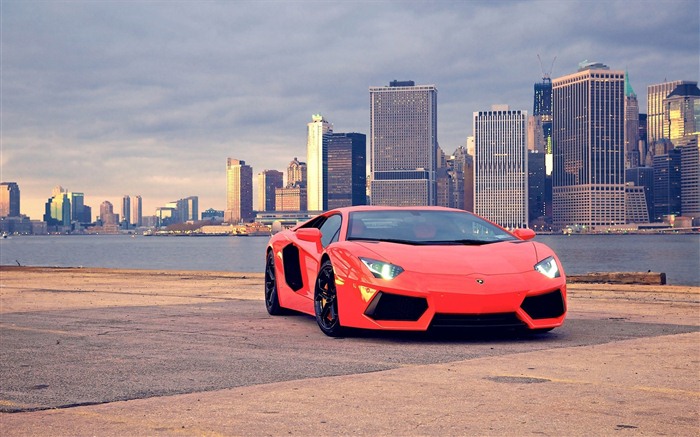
(415, 301)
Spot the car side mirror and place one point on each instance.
(312, 235)
(524, 234)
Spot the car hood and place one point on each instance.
(506, 257)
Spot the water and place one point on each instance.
(676, 255)
(233, 254)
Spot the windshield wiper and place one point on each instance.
(470, 242)
(465, 242)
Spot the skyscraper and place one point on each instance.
(681, 126)
(456, 164)
(588, 186)
(346, 170)
(9, 199)
(681, 114)
(296, 173)
(690, 181)
(403, 144)
(441, 179)
(543, 98)
(188, 208)
(471, 147)
(469, 175)
(136, 211)
(655, 109)
(500, 166)
(319, 131)
(77, 207)
(643, 177)
(87, 214)
(667, 185)
(126, 210)
(540, 141)
(540, 124)
(293, 196)
(635, 204)
(239, 191)
(107, 215)
(632, 157)
(643, 147)
(536, 185)
(268, 182)
(57, 210)
(535, 134)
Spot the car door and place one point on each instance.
(311, 252)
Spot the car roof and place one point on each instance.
(349, 209)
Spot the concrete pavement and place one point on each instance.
(626, 363)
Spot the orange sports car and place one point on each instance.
(413, 268)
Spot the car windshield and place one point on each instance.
(423, 227)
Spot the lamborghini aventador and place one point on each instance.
(413, 268)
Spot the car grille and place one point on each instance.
(544, 306)
(499, 320)
(387, 306)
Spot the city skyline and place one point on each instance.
(106, 100)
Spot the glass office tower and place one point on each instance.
(403, 144)
(588, 180)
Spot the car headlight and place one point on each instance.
(548, 267)
(381, 269)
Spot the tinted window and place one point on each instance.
(330, 230)
(314, 223)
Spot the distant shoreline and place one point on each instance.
(610, 278)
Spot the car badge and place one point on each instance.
(479, 281)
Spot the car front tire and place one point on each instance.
(326, 302)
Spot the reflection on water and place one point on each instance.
(676, 255)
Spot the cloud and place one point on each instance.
(110, 98)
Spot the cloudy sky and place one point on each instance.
(150, 97)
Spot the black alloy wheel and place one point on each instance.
(272, 302)
(326, 301)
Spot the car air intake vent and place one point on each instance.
(544, 306)
(387, 306)
(502, 320)
(292, 272)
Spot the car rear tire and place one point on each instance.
(326, 301)
(272, 302)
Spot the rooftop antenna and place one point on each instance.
(546, 75)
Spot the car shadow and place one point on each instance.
(442, 335)
(455, 335)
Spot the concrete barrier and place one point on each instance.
(641, 278)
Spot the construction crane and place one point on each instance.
(546, 75)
